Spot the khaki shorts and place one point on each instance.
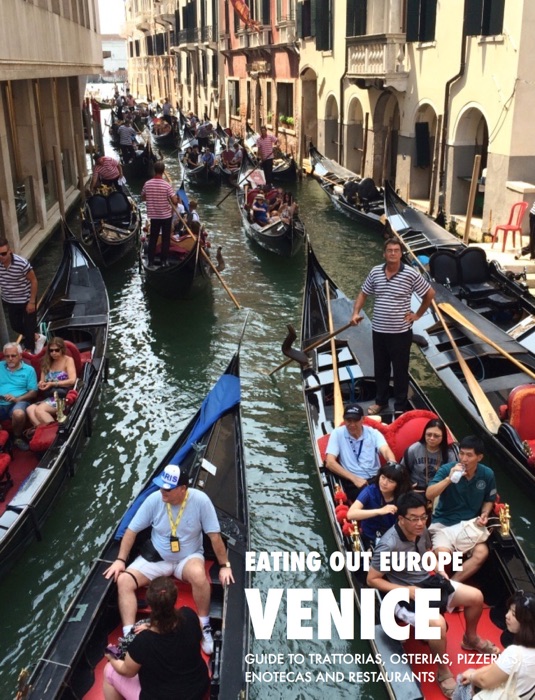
(446, 536)
(153, 569)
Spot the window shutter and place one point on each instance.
(266, 13)
(413, 20)
(423, 150)
(495, 17)
(473, 17)
(313, 13)
(322, 19)
(428, 16)
(356, 17)
(177, 22)
(299, 20)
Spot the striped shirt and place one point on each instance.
(393, 296)
(265, 146)
(157, 193)
(532, 210)
(107, 169)
(127, 135)
(15, 285)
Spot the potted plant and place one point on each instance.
(290, 122)
(269, 117)
(282, 119)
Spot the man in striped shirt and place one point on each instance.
(392, 285)
(159, 195)
(108, 170)
(265, 144)
(18, 284)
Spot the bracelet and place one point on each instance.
(119, 559)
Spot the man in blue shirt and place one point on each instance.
(18, 388)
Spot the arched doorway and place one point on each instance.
(422, 160)
(309, 109)
(385, 138)
(354, 137)
(471, 138)
(330, 147)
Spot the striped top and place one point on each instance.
(265, 146)
(393, 296)
(532, 210)
(107, 168)
(14, 284)
(157, 193)
(127, 135)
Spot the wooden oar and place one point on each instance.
(460, 318)
(485, 408)
(312, 346)
(337, 391)
(238, 184)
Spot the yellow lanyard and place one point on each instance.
(174, 525)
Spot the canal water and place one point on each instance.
(164, 356)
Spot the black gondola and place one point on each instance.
(494, 330)
(111, 223)
(506, 569)
(141, 165)
(284, 166)
(361, 201)
(164, 134)
(284, 239)
(74, 307)
(210, 449)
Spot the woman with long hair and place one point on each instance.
(164, 660)
(423, 458)
(58, 374)
(516, 664)
(376, 503)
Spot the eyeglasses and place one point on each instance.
(416, 518)
(3, 254)
(434, 436)
(54, 350)
(10, 355)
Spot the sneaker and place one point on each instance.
(21, 444)
(207, 643)
(40, 341)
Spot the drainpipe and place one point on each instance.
(446, 117)
(342, 110)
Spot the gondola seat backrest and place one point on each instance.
(443, 268)
(98, 205)
(36, 360)
(474, 272)
(118, 206)
(521, 412)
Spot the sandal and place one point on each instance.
(484, 646)
(447, 684)
(375, 409)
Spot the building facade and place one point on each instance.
(42, 81)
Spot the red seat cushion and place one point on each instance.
(5, 461)
(43, 437)
(4, 437)
(521, 404)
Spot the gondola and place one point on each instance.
(163, 134)
(210, 448)
(507, 568)
(140, 166)
(187, 274)
(285, 239)
(367, 207)
(493, 330)
(111, 224)
(284, 166)
(74, 307)
(202, 176)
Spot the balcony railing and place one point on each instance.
(262, 38)
(287, 32)
(189, 36)
(381, 56)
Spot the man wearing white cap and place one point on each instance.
(178, 517)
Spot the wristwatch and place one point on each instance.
(227, 565)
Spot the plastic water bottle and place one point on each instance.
(456, 476)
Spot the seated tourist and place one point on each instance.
(18, 387)
(423, 458)
(463, 498)
(288, 208)
(353, 452)
(375, 507)
(193, 157)
(58, 374)
(260, 210)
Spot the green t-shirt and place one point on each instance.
(463, 501)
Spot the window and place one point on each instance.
(234, 97)
(306, 19)
(324, 25)
(421, 20)
(356, 17)
(285, 99)
(484, 17)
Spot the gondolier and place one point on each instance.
(108, 171)
(158, 194)
(265, 144)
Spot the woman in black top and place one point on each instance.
(165, 655)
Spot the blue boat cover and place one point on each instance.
(224, 396)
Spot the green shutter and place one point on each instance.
(299, 20)
(313, 13)
(266, 13)
(495, 17)
(428, 18)
(473, 13)
(413, 20)
(356, 17)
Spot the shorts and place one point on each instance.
(6, 410)
(129, 688)
(153, 569)
(408, 616)
(445, 536)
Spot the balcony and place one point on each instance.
(189, 38)
(208, 36)
(261, 38)
(378, 59)
(142, 21)
(286, 29)
(164, 12)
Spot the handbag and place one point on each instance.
(470, 534)
(504, 691)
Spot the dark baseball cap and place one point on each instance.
(353, 410)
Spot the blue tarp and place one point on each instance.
(224, 396)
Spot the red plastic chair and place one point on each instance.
(514, 224)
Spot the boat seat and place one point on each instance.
(444, 269)
(118, 206)
(474, 273)
(6, 482)
(520, 411)
(98, 206)
(405, 430)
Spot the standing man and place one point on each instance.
(167, 108)
(18, 388)
(353, 452)
(392, 284)
(158, 194)
(108, 170)
(18, 284)
(265, 144)
(127, 139)
(178, 516)
(461, 498)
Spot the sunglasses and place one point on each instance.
(54, 350)
(3, 254)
